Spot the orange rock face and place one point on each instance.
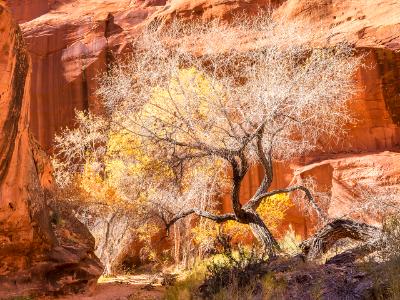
(32, 248)
(70, 46)
(76, 40)
(342, 178)
(26, 10)
(211, 9)
(374, 28)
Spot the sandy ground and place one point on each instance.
(134, 287)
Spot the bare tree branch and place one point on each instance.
(200, 213)
(194, 101)
(255, 201)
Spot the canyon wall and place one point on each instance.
(26, 10)
(37, 254)
(71, 42)
(369, 155)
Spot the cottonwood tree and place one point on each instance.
(208, 101)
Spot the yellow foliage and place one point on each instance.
(95, 186)
(186, 104)
(189, 90)
(205, 232)
(272, 210)
(125, 155)
(145, 234)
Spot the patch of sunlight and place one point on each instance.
(140, 279)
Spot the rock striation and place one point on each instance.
(38, 253)
(26, 10)
(69, 47)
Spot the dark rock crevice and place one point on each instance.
(389, 68)
(10, 126)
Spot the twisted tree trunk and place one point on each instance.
(263, 235)
(339, 229)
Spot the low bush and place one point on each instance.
(230, 274)
(188, 283)
(239, 272)
(385, 267)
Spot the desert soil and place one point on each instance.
(133, 287)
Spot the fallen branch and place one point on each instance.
(339, 229)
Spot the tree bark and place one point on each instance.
(263, 235)
(336, 230)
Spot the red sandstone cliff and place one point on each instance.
(369, 154)
(70, 42)
(36, 254)
(26, 10)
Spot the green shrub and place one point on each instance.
(189, 282)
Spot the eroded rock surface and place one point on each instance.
(70, 46)
(26, 10)
(37, 254)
